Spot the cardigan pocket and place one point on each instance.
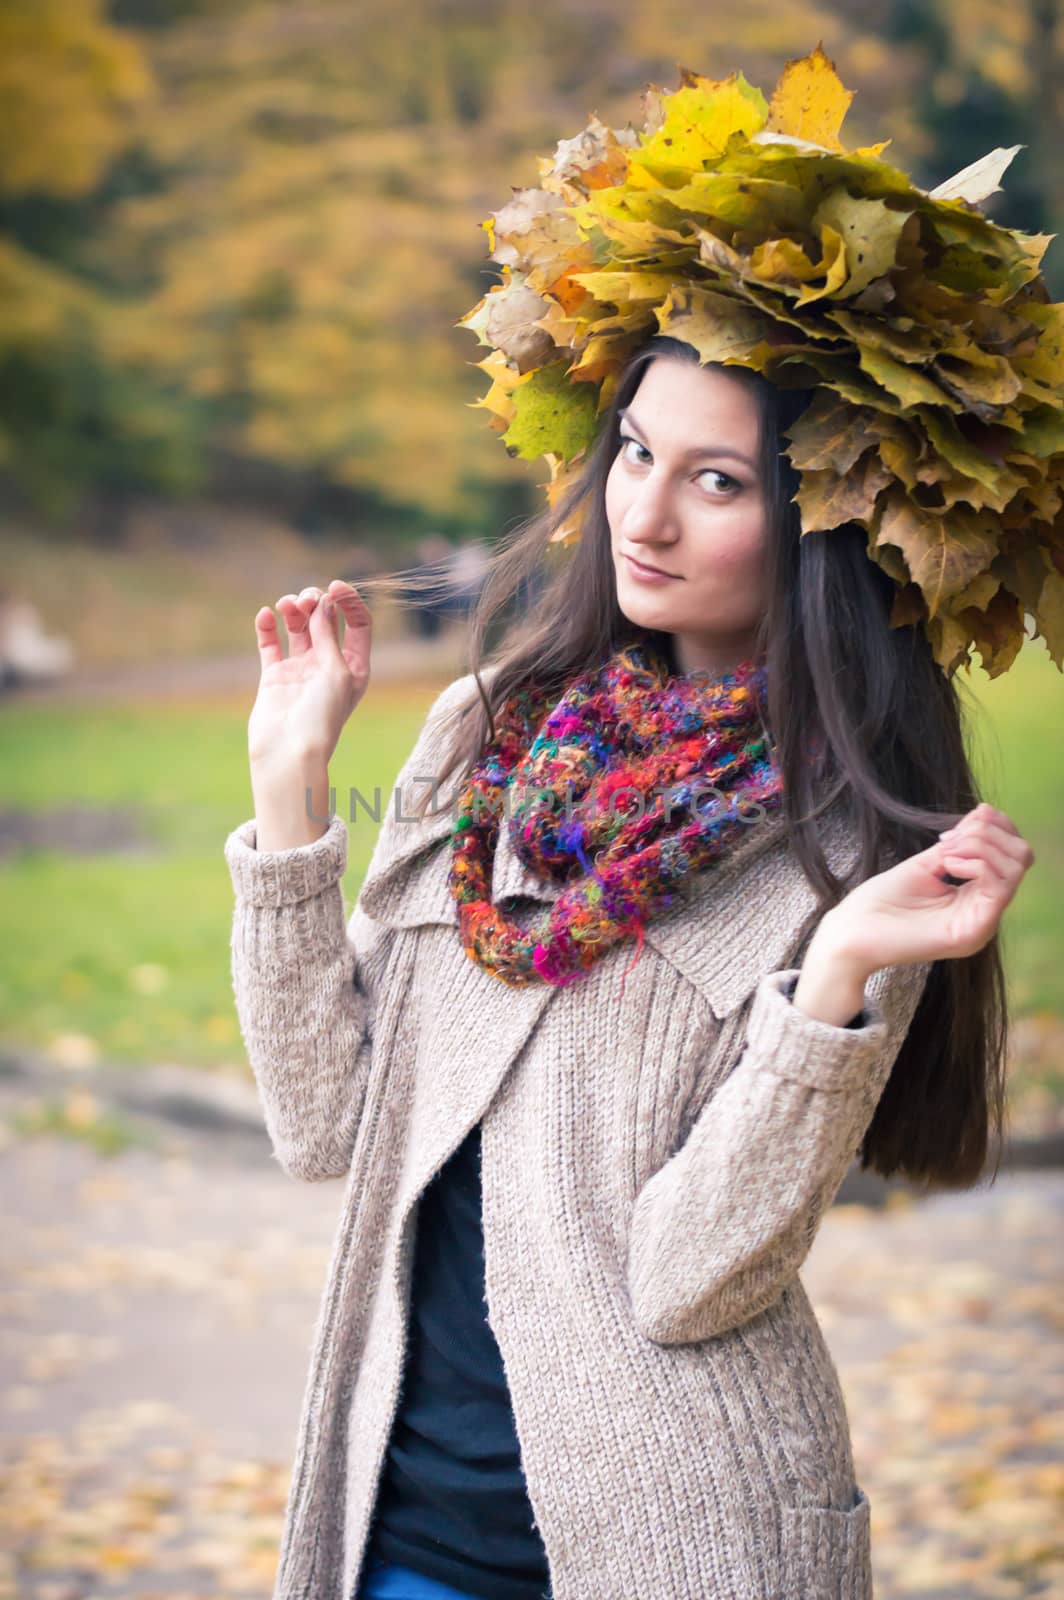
(826, 1554)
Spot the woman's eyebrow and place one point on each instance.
(625, 415)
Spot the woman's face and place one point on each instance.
(684, 495)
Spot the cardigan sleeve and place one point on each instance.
(719, 1231)
(303, 987)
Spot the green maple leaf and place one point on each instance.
(552, 413)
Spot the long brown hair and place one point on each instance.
(859, 713)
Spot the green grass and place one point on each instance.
(1017, 743)
(130, 953)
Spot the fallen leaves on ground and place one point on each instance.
(946, 1321)
(944, 1317)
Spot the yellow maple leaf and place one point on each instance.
(809, 101)
(700, 119)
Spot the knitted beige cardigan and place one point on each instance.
(654, 1171)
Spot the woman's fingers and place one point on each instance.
(269, 644)
(963, 853)
(350, 603)
(322, 628)
(1002, 819)
(1014, 845)
(307, 600)
(983, 863)
(1010, 841)
(981, 903)
(298, 610)
(295, 620)
(359, 623)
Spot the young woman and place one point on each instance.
(614, 1012)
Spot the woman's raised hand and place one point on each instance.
(305, 698)
(910, 913)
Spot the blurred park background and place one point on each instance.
(235, 238)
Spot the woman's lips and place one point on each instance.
(647, 574)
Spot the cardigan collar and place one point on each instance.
(746, 917)
(397, 890)
(738, 920)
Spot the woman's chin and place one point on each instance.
(646, 611)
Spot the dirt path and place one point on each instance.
(157, 1315)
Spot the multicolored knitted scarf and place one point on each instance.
(632, 783)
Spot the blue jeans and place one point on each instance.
(383, 1581)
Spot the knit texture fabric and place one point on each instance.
(636, 780)
(654, 1174)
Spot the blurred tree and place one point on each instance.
(276, 223)
(71, 414)
(989, 75)
(67, 81)
(318, 233)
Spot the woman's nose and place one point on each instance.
(650, 516)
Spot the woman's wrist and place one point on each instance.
(289, 811)
(832, 979)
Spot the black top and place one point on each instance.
(452, 1502)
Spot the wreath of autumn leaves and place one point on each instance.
(744, 227)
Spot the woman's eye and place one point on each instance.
(626, 439)
(711, 472)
